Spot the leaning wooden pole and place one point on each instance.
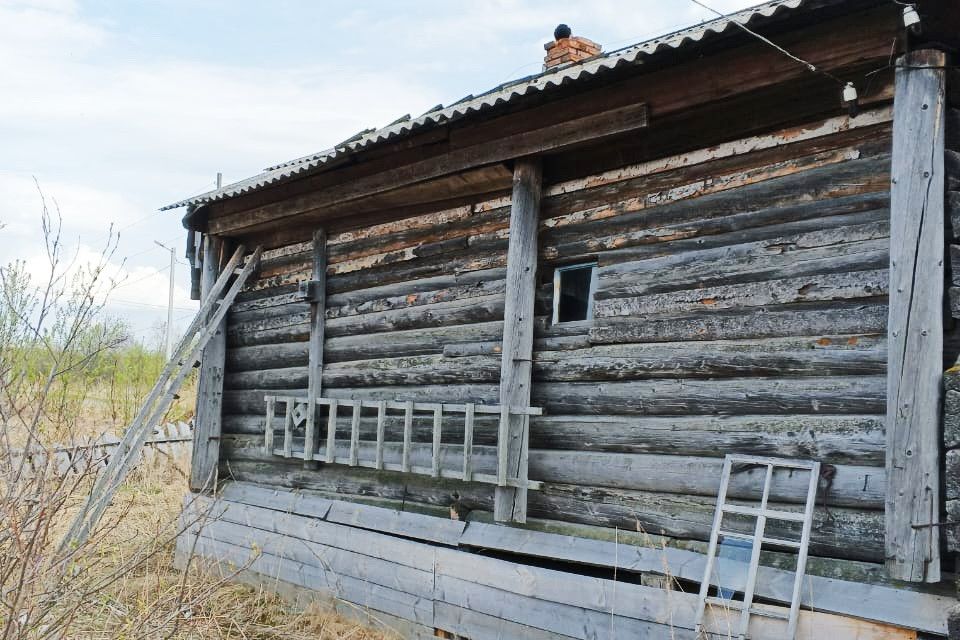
(206, 435)
(510, 503)
(915, 328)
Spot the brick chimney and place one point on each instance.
(566, 47)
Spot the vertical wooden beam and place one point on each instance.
(510, 503)
(318, 308)
(206, 432)
(915, 329)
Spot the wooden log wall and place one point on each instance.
(741, 306)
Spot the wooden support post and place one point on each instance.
(915, 329)
(468, 443)
(510, 503)
(437, 438)
(381, 431)
(317, 296)
(407, 436)
(288, 430)
(355, 433)
(206, 433)
(331, 452)
(268, 427)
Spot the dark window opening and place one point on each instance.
(573, 293)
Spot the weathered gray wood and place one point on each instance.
(268, 426)
(408, 343)
(355, 433)
(856, 486)
(837, 286)
(381, 432)
(473, 624)
(916, 320)
(207, 429)
(288, 430)
(851, 248)
(832, 439)
(951, 474)
(516, 366)
(275, 498)
(394, 300)
(317, 331)
(540, 614)
(953, 211)
(331, 432)
(886, 604)
(952, 139)
(838, 532)
(952, 169)
(407, 436)
(733, 396)
(356, 591)
(464, 311)
(411, 525)
(437, 441)
(253, 358)
(805, 319)
(359, 299)
(468, 424)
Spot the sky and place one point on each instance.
(114, 108)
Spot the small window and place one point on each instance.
(573, 289)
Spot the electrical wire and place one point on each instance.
(809, 65)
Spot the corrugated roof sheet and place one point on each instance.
(503, 94)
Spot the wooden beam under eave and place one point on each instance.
(516, 368)
(915, 327)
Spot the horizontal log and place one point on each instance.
(851, 486)
(837, 531)
(734, 396)
(951, 420)
(276, 297)
(823, 287)
(250, 401)
(436, 283)
(442, 314)
(408, 343)
(836, 439)
(848, 187)
(953, 211)
(813, 356)
(809, 319)
(253, 358)
(953, 128)
(399, 300)
(833, 439)
(475, 259)
(745, 263)
(952, 168)
(952, 534)
(951, 474)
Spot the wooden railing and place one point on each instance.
(291, 445)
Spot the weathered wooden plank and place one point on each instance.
(473, 624)
(516, 367)
(953, 211)
(479, 290)
(361, 299)
(732, 265)
(814, 287)
(544, 615)
(838, 532)
(825, 355)
(916, 320)
(804, 319)
(836, 439)
(361, 566)
(358, 592)
(848, 485)
(952, 169)
(886, 604)
(253, 358)
(206, 434)
(274, 498)
(411, 525)
(846, 188)
(315, 350)
(467, 311)
(409, 343)
(735, 396)
(951, 474)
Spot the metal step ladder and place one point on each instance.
(202, 328)
(756, 540)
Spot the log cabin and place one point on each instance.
(655, 343)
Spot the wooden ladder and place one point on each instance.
(756, 541)
(198, 334)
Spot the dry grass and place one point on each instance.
(153, 600)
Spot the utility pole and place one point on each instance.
(173, 262)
